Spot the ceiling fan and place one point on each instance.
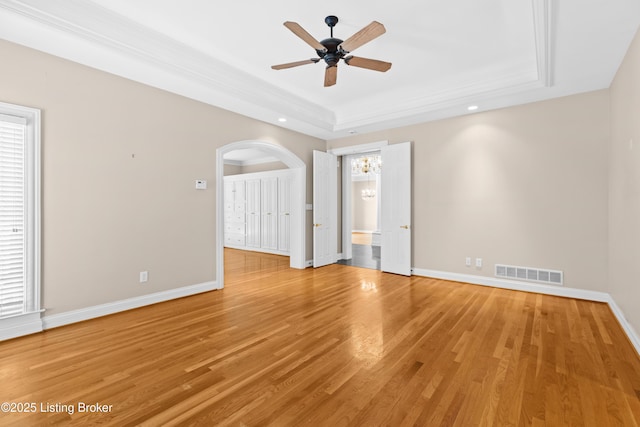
(332, 50)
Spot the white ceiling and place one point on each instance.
(446, 55)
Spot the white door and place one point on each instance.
(229, 195)
(240, 201)
(395, 252)
(325, 209)
(253, 212)
(269, 213)
(284, 212)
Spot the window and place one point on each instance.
(19, 220)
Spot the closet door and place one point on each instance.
(240, 201)
(234, 217)
(269, 213)
(253, 212)
(228, 195)
(284, 209)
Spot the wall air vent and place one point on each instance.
(552, 277)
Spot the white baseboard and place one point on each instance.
(626, 326)
(66, 318)
(515, 285)
(540, 289)
(262, 250)
(309, 262)
(17, 326)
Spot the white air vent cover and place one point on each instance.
(540, 275)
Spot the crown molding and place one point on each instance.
(222, 85)
(543, 28)
(181, 69)
(492, 84)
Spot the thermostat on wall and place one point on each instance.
(201, 184)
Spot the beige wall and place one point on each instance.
(364, 213)
(525, 186)
(262, 167)
(119, 164)
(537, 185)
(232, 170)
(624, 187)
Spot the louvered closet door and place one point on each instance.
(234, 214)
(284, 211)
(12, 216)
(253, 212)
(229, 195)
(269, 213)
(239, 198)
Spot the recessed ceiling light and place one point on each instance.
(282, 119)
(472, 107)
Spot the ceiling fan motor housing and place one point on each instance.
(332, 53)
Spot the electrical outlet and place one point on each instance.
(479, 262)
(144, 276)
(468, 261)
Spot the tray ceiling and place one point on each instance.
(446, 55)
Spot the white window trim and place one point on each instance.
(30, 321)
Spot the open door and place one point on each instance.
(325, 209)
(395, 253)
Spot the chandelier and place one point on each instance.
(366, 166)
(368, 194)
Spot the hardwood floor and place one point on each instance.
(359, 238)
(332, 346)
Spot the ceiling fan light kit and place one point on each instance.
(332, 49)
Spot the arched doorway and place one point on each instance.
(299, 169)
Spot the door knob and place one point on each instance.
(317, 225)
(406, 227)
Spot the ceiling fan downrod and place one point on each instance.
(331, 21)
(331, 53)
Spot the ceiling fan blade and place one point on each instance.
(330, 75)
(369, 64)
(295, 64)
(304, 35)
(365, 35)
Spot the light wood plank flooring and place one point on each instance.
(360, 238)
(330, 347)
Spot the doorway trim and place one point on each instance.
(298, 200)
(346, 153)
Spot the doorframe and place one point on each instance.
(346, 152)
(298, 201)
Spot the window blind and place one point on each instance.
(12, 216)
